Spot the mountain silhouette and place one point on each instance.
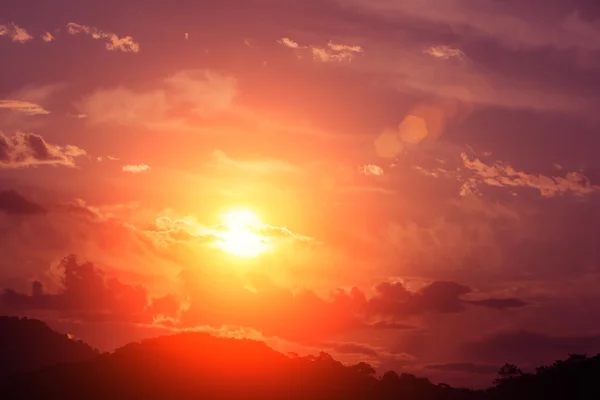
(200, 366)
(29, 344)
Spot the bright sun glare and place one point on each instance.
(240, 236)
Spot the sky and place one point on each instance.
(414, 184)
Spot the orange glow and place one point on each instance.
(239, 236)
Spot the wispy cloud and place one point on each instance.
(47, 37)
(136, 168)
(107, 158)
(23, 107)
(28, 149)
(502, 22)
(206, 90)
(77, 116)
(371, 169)
(16, 33)
(336, 52)
(289, 43)
(445, 52)
(261, 166)
(188, 94)
(502, 175)
(332, 52)
(113, 41)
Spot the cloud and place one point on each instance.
(501, 175)
(107, 158)
(385, 325)
(136, 169)
(333, 52)
(24, 107)
(77, 116)
(394, 300)
(320, 317)
(123, 106)
(259, 166)
(36, 94)
(11, 202)
(29, 149)
(85, 295)
(529, 347)
(113, 42)
(352, 348)
(289, 43)
(371, 169)
(445, 52)
(206, 91)
(504, 23)
(47, 37)
(185, 96)
(16, 33)
(79, 206)
(499, 304)
(484, 369)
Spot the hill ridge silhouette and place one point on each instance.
(29, 344)
(193, 365)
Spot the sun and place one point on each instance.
(240, 236)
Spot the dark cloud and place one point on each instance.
(29, 149)
(529, 347)
(79, 206)
(499, 304)
(88, 296)
(394, 300)
(385, 325)
(12, 202)
(442, 297)
(305, 316)
(352, 348)
(468, 367)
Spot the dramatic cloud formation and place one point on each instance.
(113, 42)
(85, 294)
(411, 183)
(28, 149)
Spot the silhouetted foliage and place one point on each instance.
(201, 366)
(29, 344)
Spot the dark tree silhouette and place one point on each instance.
(29, 344)
(197, 365)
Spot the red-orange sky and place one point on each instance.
(409, 183)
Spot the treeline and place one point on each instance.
(200, 366)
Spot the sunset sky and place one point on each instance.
(414, 184)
